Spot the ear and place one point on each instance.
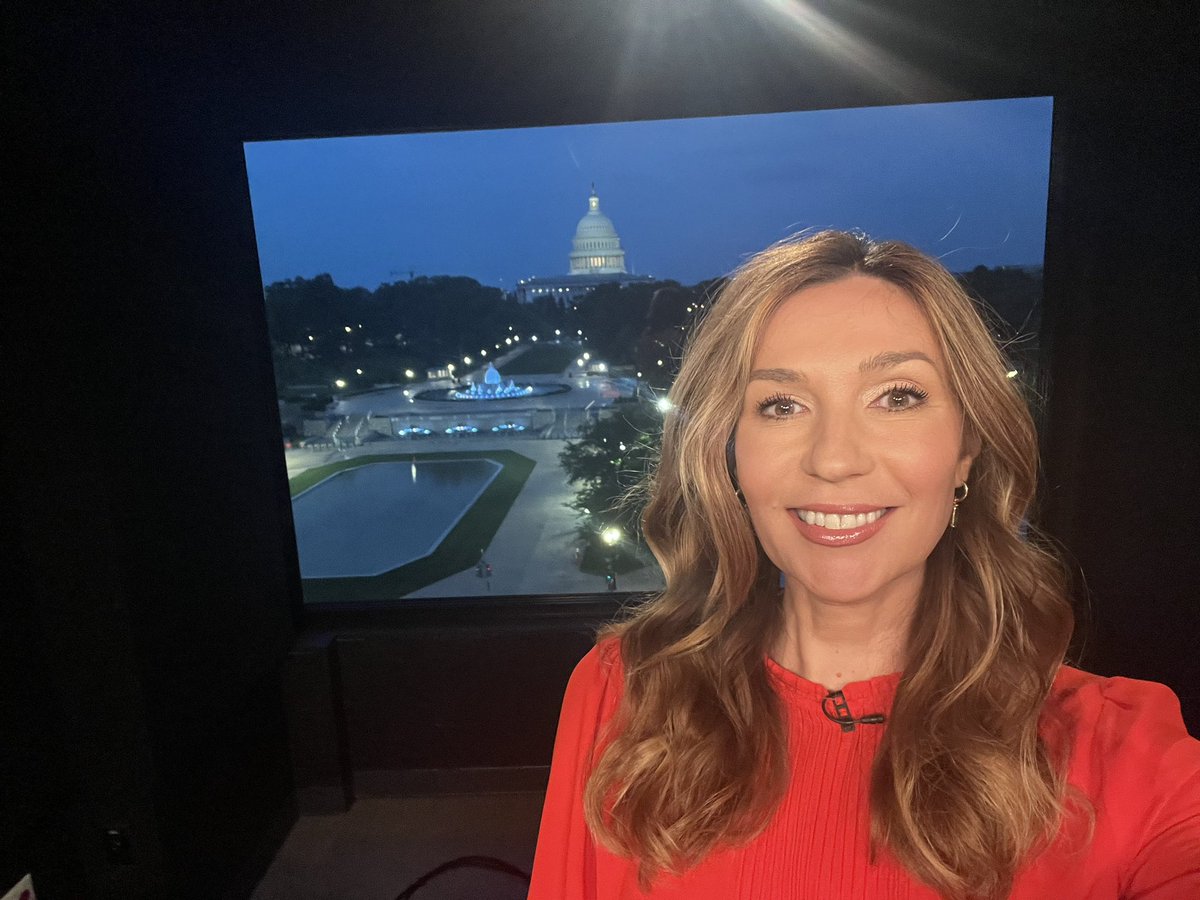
(963, 472)
(731, 463)
(971, 446)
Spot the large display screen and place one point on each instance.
(473, 331)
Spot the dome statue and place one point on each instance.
(596, 249)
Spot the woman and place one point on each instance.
(852, 686)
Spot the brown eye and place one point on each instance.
(777, 407)
(902, 397)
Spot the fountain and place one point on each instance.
(492, 388)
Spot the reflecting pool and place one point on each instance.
(376, 517)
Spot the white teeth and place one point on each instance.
(836, 522)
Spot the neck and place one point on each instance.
(834, 643)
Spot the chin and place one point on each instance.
(849, 583)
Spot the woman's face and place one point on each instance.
(849, 444)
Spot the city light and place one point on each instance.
(557, 332)
(358, 371)
(311, 338)
(533, 337)
(466, 360)
(483, 353)
(664, 405)
(409, 373)
(348, 329)
(339, 383)
(579, 362)
(508, 341)
(611, 535)
(587, 356)
(1012, 373)
(449, 367)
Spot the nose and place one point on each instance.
(837, 448)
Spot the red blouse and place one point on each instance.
(1131, 756)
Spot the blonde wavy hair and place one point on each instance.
(963, 788)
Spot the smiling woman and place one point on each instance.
(853, 684)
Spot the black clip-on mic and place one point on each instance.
(841, 712)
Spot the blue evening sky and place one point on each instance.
(690, 198)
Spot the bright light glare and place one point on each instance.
(340, 383)
(611, 535)
(409, 373)
(1012, 373)
(664, 405)
(814, 29)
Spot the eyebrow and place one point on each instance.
(886, 360)
(890, 359)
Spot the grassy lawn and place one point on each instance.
(460, 548)
(544, 359)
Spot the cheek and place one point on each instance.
(758, 468)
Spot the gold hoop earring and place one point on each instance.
(957, 500)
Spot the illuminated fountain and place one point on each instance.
(493, 389)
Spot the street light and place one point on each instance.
(611, 537)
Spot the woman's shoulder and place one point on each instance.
(1115, 704)
(597, 682)
(1118, 726)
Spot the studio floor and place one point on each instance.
(381, 845)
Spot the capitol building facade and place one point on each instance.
(596, 258)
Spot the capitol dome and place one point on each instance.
(596, 249)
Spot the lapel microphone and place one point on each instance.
(836, 709)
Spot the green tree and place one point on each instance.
(614, 454)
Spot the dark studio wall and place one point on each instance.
(151, 593)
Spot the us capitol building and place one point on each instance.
(596, 258)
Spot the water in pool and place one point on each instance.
(376, 517)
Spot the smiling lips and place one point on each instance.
(840, 526)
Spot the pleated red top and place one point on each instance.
(1131, 756)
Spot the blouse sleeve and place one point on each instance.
(564, 865)
(1154, 776)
